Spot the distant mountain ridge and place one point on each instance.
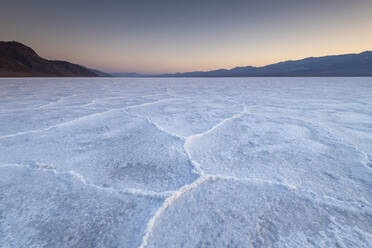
(346, 65)
(18, 60)
(334, 65)
(101, 73)
(128, 74)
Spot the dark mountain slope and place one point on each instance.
(337, 65)
(18, 60)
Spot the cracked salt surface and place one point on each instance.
(228, 162)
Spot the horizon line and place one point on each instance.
(242, 66)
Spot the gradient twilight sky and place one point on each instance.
(159, 36)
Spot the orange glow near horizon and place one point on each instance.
(196, 41)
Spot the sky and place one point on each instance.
(164, 36)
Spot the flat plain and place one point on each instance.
(185, 162)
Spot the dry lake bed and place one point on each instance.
(185, 162)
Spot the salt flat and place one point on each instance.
(186, 162)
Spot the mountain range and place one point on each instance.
(335, 65)
(18, 60)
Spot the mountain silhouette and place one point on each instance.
(336, 65)
(18, 60)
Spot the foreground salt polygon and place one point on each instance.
(236, 162)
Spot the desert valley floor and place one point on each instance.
(185, 162)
